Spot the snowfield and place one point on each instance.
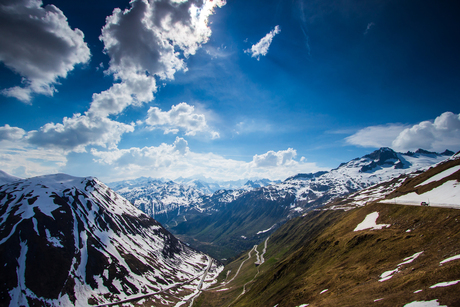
(446, 195)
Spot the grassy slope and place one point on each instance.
(321, 251)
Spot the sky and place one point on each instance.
(223, 89)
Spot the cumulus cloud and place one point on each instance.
(79, 131)
(376, 136)
(150, 40)
(274, 159)
(181, 116)
(261, 48)
(153, 157)
(177, 159)
(438, 135)
(38, 44)
(443, 133)
(11, 133)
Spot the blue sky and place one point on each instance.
(227, 90)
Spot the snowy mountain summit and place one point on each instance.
(68, 241)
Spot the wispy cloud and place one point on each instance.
(24, 160)
(261, 48)
(369, 26)
(38, 44)
(376, 136)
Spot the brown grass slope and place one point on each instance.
(321, 251)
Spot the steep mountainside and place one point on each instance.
(263, 210)
(368, 253)
(67, 241)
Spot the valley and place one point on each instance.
(228, 222)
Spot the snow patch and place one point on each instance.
(433, 303)
(266, 230)
(445, 284)
(370, 222)
(456, 257)
(445, 195)
(441, 175)
(53, 240)
(389, 274)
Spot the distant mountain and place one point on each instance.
(258, 183)
(7, 178)
(167, 200)
(376, 247)
(162, 200)
(67, 241)
(306, 176)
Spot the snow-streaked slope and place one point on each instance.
(67, 241)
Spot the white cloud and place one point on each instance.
(152, 157)
(274, 159)
(79, 131)
(376, 136)
(181, 116)
(150, 40)
(443, 133)
(23, 160)
(261, 48)
(177, 159)
(438, 135)
(11, 133)
(38, 44)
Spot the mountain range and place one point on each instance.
(228, 222)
